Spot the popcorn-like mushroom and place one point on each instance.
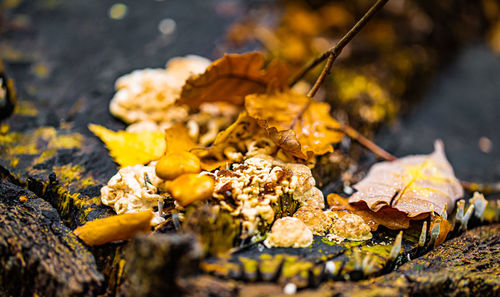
(349, 226)
(252, 189)
(150, 94)
(147, 95)
(289, 232)
(189, 188)
(315, 219)
(173, 165)
(134, 189)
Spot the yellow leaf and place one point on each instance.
(414, 185)
(128, 149)
(114, 228)
(312, 133)
(231, 78)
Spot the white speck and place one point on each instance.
(348, 190)
(167, 26)
(330, 267)
(290, 289)
(260, 247)
(409, 259)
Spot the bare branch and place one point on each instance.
(337, 49)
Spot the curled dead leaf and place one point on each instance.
(231, 78)
(414, 185)
(232, 140)
(128, 148)
(301, 133)
(388, 217)
(114, 228)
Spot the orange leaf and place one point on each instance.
(235, 135)
(178, 140)
(311, 133)
(414, 185)
(114, 228)
(231, 78)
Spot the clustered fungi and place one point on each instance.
(254, 175)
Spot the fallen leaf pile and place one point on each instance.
(275, 125)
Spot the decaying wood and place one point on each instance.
(465, 266)
(157, 265)
(38, 254)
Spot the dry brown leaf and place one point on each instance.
(388, 217)
(231, 78)
(312, 134)
(114, 228)
(414, 185)
(128, 148)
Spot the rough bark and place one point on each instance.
(38, 254)
(468, 265)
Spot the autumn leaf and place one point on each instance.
(388, 217)
(414, 185)
(235, 136)
(231, 78)
(128, 149)
(178, 140)
(114, 228)
(300, 133)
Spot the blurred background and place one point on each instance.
(419, 71)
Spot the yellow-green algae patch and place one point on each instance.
(16, 143)
(25, 108)
(73, 174)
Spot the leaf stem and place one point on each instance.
(335, 51)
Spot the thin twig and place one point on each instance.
(337, 49)
(377, 150)
(331, 55)
(324, 73)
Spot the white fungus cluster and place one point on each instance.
(134, 189)
(146, 97)
(251, 189)
(289, 232)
